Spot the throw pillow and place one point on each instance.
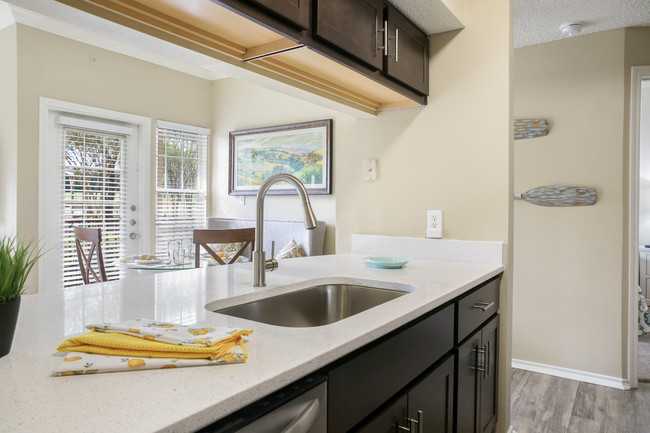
(290, 250)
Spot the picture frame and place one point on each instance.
(301, 149)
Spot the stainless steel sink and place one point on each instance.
(313, 306)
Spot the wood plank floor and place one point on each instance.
(548, 404)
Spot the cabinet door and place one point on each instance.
(488, 387)
(296, 11)
(467, 358)
(431, 401)
(387, 420)
(408, 52)
(353, 26)
(365, 381)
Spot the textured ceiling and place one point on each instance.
(538, 21)
(432, 16)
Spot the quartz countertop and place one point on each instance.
(185, 399)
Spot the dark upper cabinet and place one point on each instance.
(408, 52)
(477, 380)
(353, 26)
(296, 11)
(379, 35)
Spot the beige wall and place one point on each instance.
(450, 155)
(8, 130)
(58, 68)
(568, 266)
(239, 105)
(453, 154)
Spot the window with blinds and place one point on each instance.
(93, 194)
(181, 182)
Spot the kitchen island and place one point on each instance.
(185, 399)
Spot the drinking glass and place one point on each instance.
(178, 256)
(172, 249)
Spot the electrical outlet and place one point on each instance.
(434, 224)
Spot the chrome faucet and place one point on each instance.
(260, 264)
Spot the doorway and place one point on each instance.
(639, 215)
(93, 172)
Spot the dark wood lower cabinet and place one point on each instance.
(431, 401)
(476, 390)
(425, 408)
(375, 375)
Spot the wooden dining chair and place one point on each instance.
(204, 237)
(94, 237)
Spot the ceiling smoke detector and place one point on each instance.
(571, 28)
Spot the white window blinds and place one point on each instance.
(94, 192)
(181, 181)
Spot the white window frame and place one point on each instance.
(202, 174)
(49, 191)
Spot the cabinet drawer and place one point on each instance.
(364, 382)
(476, 307)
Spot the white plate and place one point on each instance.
(385, 262)
(147, 261)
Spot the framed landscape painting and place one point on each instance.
(301, 149)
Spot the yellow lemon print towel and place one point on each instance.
(143, 343)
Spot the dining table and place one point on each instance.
(153, 265)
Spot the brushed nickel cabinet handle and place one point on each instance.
(487, 359)
(396, 38)
(483, 306)
(480, 363)
(385, 32)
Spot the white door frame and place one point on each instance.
(47, 152)
(639, 73)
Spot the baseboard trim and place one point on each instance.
(568, 373)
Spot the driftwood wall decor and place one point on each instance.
(560, 196)
(530, 128)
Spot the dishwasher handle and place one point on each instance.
(305, 420)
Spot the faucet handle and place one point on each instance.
(272, 249)
(271, 265)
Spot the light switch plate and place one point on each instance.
(434, 224)
(369, 170)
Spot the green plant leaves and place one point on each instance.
(17, 258)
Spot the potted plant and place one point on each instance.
(17, 258)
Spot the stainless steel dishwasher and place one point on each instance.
(298, 408)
